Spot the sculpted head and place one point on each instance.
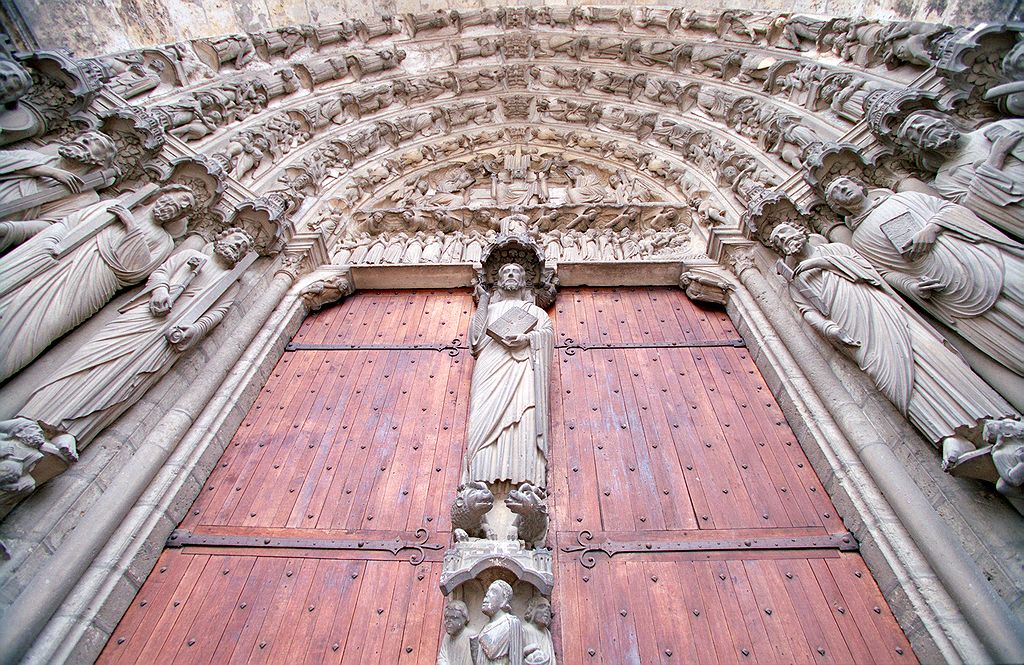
(538, 611)
(173, 204)
(930, 131)
(456, 616)
(511, 277)
(846, 196)
(233, 244)
(788, 239)
(92, 148)
(497, 598)
(15, 81)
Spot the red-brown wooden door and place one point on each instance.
(665, 432)
(360, 444)
(662, 431)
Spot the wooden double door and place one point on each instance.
(687, 524)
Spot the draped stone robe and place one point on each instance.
(43, 295)
(929, 384)
(501, 642)
(994, 194)
(508, 408)
(131, 353)
(980, 269)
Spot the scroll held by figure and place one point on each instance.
(512, 340)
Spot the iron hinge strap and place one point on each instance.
(185, 538)
(571, 346)
(844, 542)
(453, 348)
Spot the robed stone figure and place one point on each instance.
(503, 640)
(37, 189)
(185, 298)
(455, 648)
(846, 301)
(944, 258)
(67, 273)
(508, 409)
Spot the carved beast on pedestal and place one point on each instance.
(472, 503)
(531, 522)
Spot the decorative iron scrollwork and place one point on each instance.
(844, 542)
(571, 346)
(419, 546)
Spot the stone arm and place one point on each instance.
(917, 288)
(823, 325)
(74, 183)
(827, 328)
(478, 325)
(17, 232)
(184, 338)
(1002, 147)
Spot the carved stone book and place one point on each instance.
(516, 321)
(900, 231)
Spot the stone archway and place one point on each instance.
(642, 146)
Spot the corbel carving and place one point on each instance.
(327, 291)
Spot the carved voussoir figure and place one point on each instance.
(507, 433)
(65, 274)
(184, 299)
(847, 302)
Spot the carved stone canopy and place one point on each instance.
(524, 250)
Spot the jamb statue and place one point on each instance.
(507, 433)
(848, 303)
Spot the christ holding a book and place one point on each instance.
(513, 340)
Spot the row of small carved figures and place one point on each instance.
(865, 41)
(590, 245)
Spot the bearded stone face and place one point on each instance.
(931, 133)
(511, 277)
(788, 239)
(91, 148)
(232, 247)
(172, 206)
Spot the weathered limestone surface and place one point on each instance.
(636, 145)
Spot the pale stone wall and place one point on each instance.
(95, 27)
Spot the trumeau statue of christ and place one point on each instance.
(508, 409)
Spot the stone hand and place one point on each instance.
(160, 302)
(922, 241)
(122, 214)
(1007, 142)
(183, 338)
(837, 334)
(811, 265)
(925, 286)
(74, 184)
(517, 341)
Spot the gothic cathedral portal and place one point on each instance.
(685, 523)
